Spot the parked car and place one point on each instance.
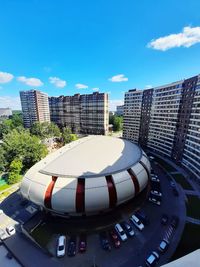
(104, 241)
(164, 244)
(82, 243)
(152, 259)
(61, 243)
(122, 235)
(174, 221)
(143, 217)
(115, 239)
(10, 230)
(155, 179)
(154, 200)
(134, 219)
(151, 158)
(71, 250)
(164, 219)
(3, 234)
(128, 229)
(173, 185)
(175, 192)
(156, 192)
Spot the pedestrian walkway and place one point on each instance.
(193, 220)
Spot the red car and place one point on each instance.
(82, 243)
(115, 239)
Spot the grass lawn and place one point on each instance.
(4, 186)
(182, 181)
(192, 206)
(189, 242)
(165, 165)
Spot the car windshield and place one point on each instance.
(151, 259)
(61, 247)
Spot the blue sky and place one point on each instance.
(75, 46)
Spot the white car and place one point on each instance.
(3, 234)
(156, 193)
(155, 179)
(61, 246)
(134, 219)
(10, 230)
(152, 259)
(154, 200)
(120, 232)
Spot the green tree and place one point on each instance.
(117, 122)
(45, 130)
(15, 168)
(17, 120)
(2, 158)
(67, 136)
(24, 146)
(8, 125)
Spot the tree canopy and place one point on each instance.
(68, 136)
(117, 122)
(45, 130)
(23, 146)
(15, 122)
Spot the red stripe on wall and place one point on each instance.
(112, 191)
(135, 181)
(48, 193)
(80, 195)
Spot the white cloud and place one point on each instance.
(188, 37)
(57, 82)
(149, 86)
(30, 81)
(118, 78)
(96, 89)
(5, 77)
(81, 86)
(114, 103)
(11, 102)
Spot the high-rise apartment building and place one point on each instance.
(120, 110)
(87, 114)
(166, 119)
(35, 107)
(132, 105)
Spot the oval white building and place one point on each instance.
(87, 176)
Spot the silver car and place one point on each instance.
(3, 234)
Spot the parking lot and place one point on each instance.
(132, 252)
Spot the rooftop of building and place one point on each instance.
(92, 156)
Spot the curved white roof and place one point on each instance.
(119, 168)
(92, 156)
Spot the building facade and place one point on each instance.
(5, 113)
(120, 110)
(87, 114)
(166, 119)
(35, 107)
(132, 114)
